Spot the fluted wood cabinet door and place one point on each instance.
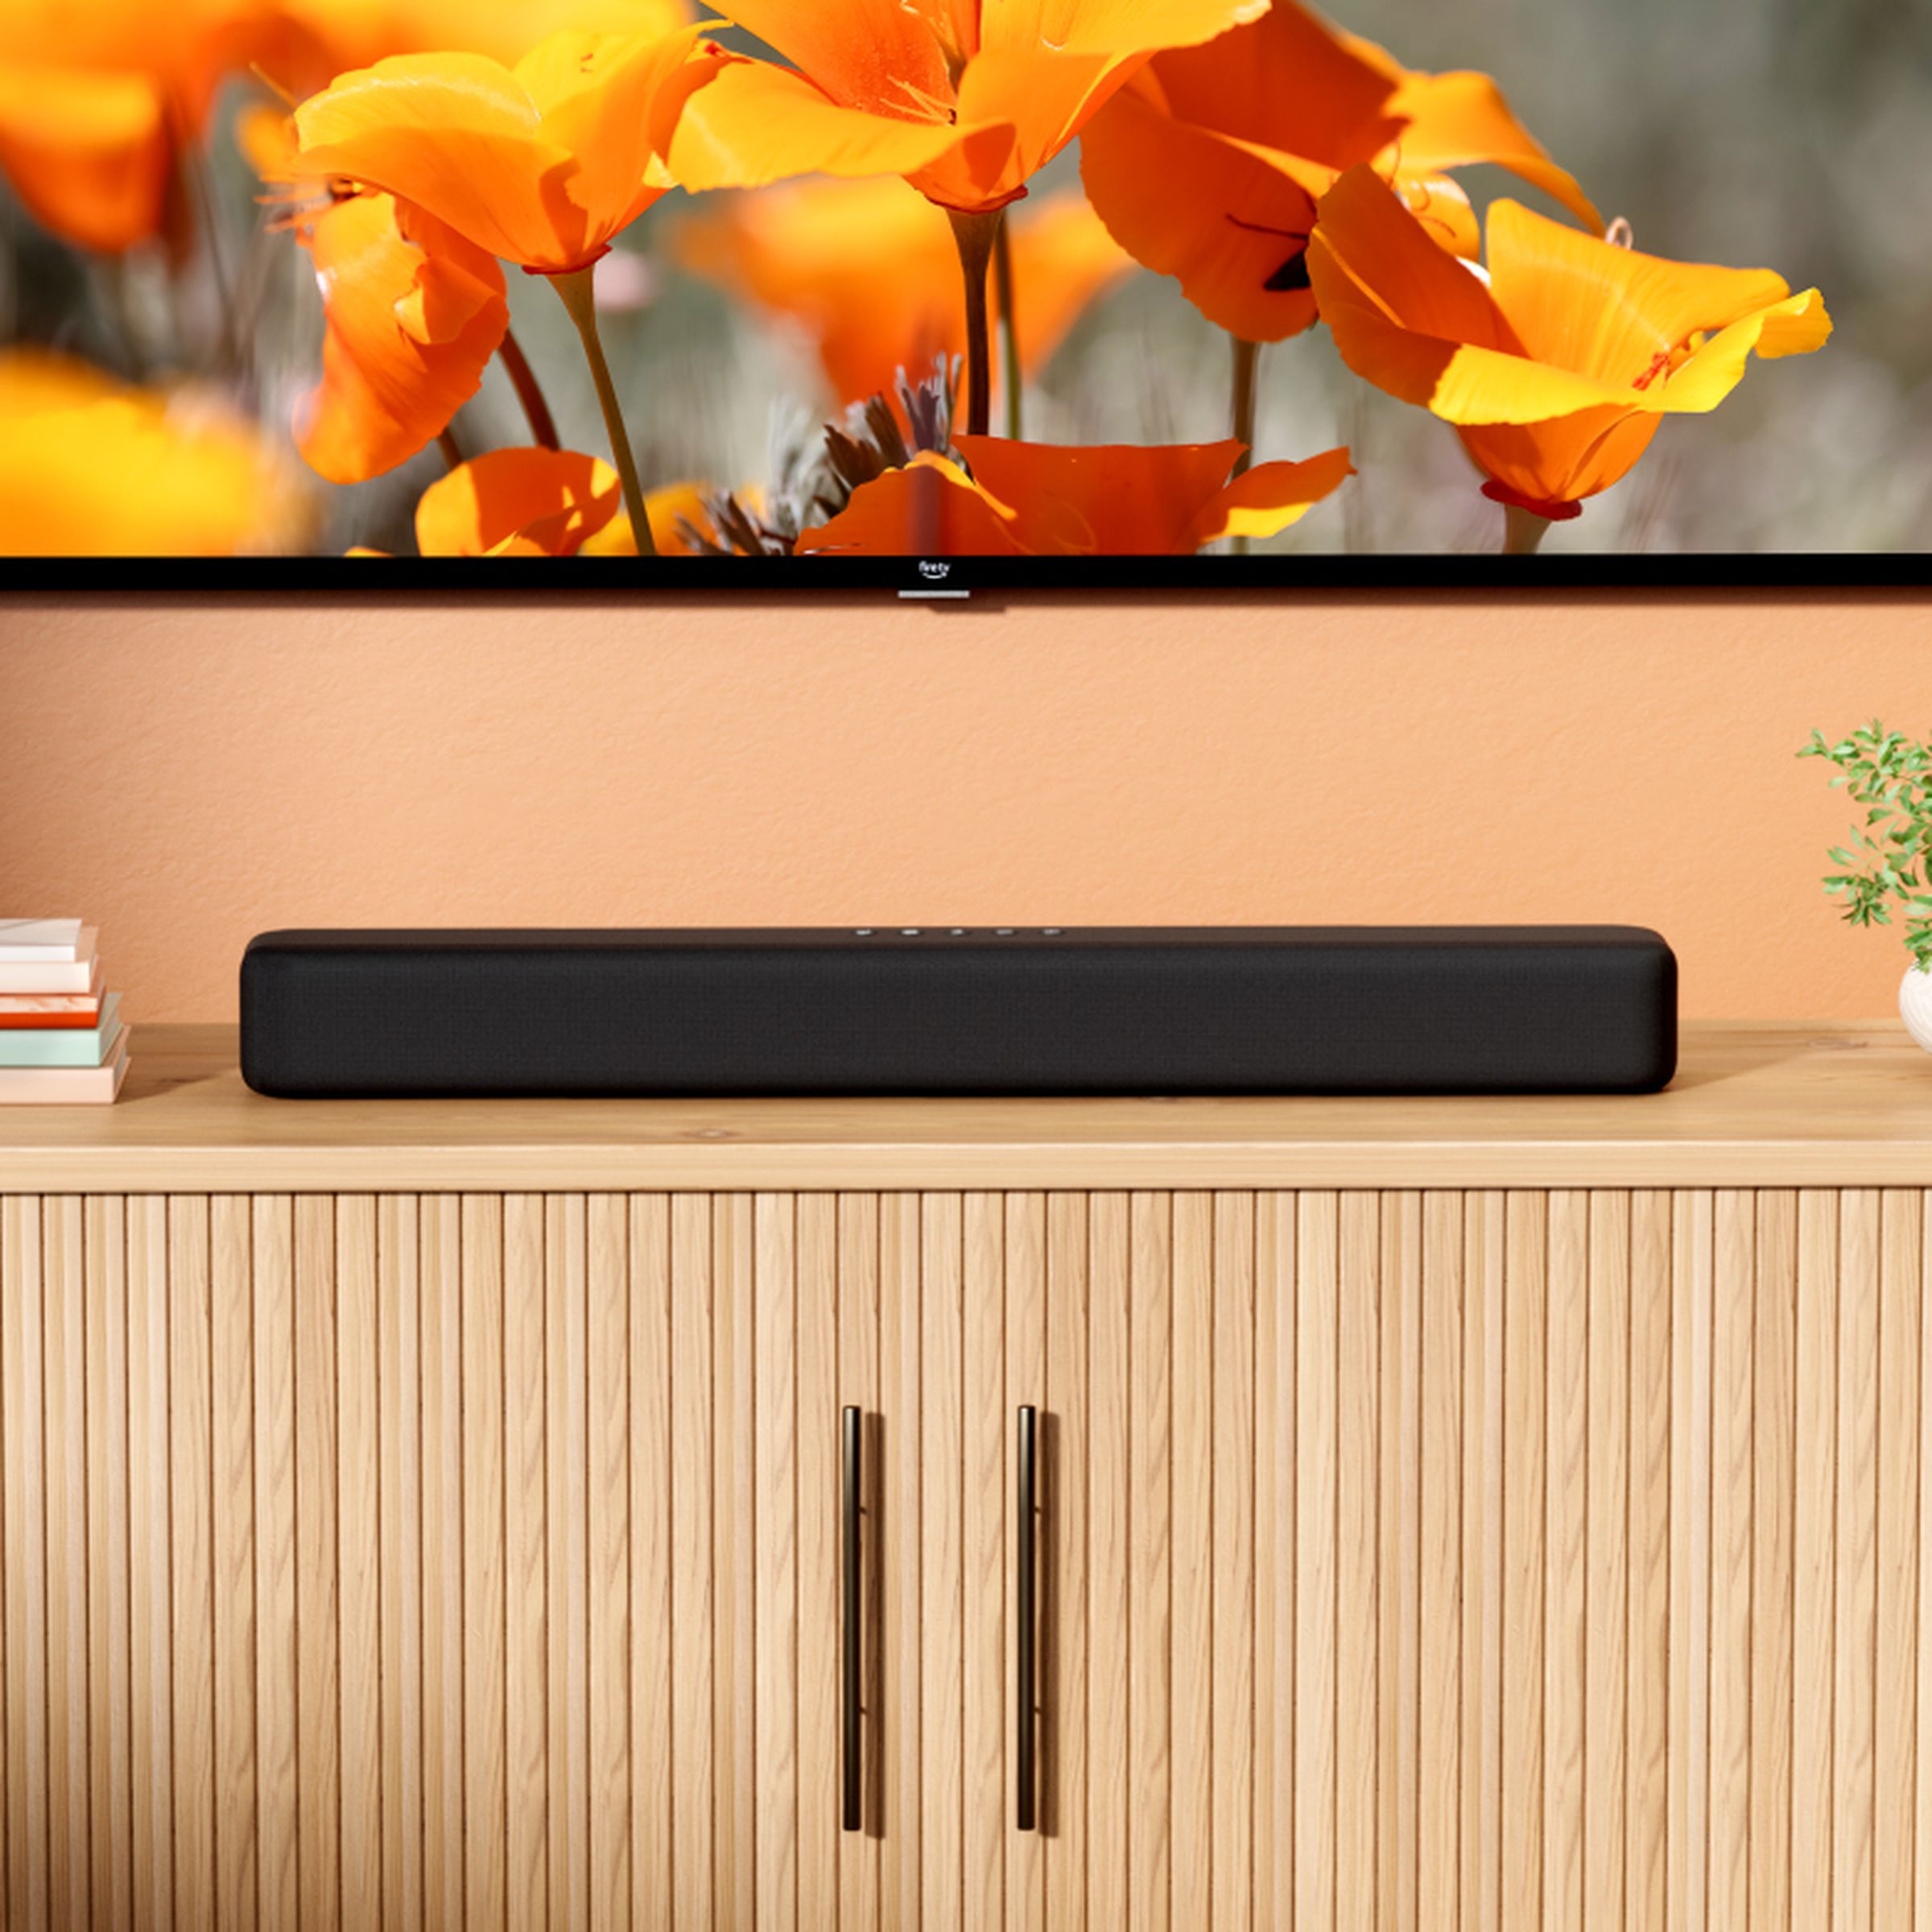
(1475, 1559)
(1490, 1559)
(1145, 1328)
(459, 1560)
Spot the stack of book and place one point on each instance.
(61, 1040)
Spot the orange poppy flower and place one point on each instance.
(1039, 499)
(1558, 365)
(412, 313)
(868, 268)
(966, 99)
(544, 503)
(1207, 166)
(358, 33)
(96, 102)
(540, 164)
(516, 503)
(97, 99)
(90, 467)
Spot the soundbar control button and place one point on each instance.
(909, 932)
(1050, 932)
(1004, 932)
(862, 932)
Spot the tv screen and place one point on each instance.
(951, 294)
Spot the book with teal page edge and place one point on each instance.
(66, 1086)
(64, 1046)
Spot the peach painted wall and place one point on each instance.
(186, 775)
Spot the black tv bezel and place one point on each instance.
(957, 578)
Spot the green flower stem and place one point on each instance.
(1523, 530)
(523, 380)
(574, 290)
(1009, 339)
(975, 235)
(1247, 364)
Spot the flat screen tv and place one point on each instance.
(938, 296)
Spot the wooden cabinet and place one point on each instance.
(1410, 1555)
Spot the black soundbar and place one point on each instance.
(953, 1010)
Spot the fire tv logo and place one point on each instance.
(933, 572)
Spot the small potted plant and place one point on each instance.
(1890, 862)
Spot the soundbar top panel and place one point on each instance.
(939, 1010)
(793, 938)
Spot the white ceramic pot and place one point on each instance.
(1915, 1005)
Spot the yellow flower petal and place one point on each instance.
(610, 100)
(1460, 120)
(1583, 304)
(542, 178)
(966, 98)
(1270, 497)
(455, 133)
(1557, 370)
(1116, 28)
(756, 123)
(357, 33)
(516, 502)
(1038, 101)
(91, 467)
(1794, 327)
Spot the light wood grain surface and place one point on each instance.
(1411, 1558)
(1753, 1105)
(1544, 1552)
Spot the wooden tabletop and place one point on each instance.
(1754, 1105)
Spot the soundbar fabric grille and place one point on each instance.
(1232, 1010)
